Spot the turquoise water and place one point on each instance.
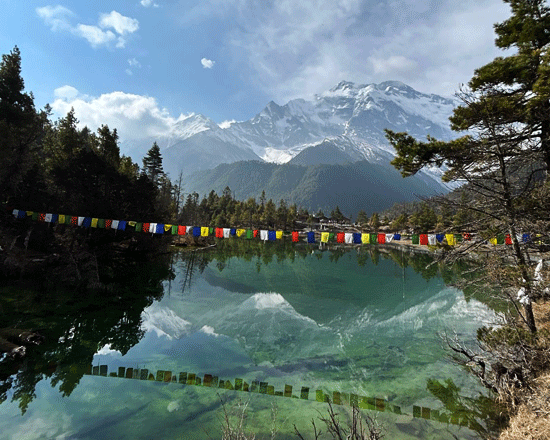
(336, 323)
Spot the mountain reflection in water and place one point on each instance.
(352, 322)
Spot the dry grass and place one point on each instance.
(532, 420)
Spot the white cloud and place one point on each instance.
(121, 24)
(134, 116)
(207, 64)
(58, 19)
(290, 49)
(226, 124)
(129, 72)
(95, 36)
(134, 63)
(147, 3)
(65, 92)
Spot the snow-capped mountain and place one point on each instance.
(349, 117)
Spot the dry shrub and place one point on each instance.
(532, 419)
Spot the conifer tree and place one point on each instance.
(152, 164)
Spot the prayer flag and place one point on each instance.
(357, 238)
(15, 213)
(467, 236)
(34, 216)
(74, 221)
(373, 238)
(87, 222)
(167, 228)
(508, 239)
(122, 225)
(114, 224)
(493, 240)
(241, 232)
(431, 239)
(415, 239)
(101, 223)
(365, 238)
(263, 235)
(340, 237)
(348, 237)
(249, 234)
(146, 227)
(271, 235)
(48, 218)
(61, 218)
(204, 231)
(196, 231)
(226, 232)
(500, 239)
(389, 237)
(279, 235)
(381, 238)
(439, 237)
(93, 223)
(397, 236)
(295, 236)
(311, 237)
(138, 226)
(182, 230)
(423, 239)
(324, 237)
(41, 217)
(233, 231)
(450, 239)
(526, 238)
(160, 228)
(174, 229)
(255, 233)
(152, 228)
(218, 233)
(108, 224)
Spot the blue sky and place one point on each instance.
(139, 64)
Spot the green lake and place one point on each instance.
(289, 326)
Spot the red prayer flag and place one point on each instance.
(41, 217)
(219, 232)
(182, 230)
(381, 238)
(295, 236)
(108, 224)
(255, 233)
(74, 221)
(508, 239)
(340, 237)
(145, 227)
(423, 238)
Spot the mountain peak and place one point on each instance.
(343, 85)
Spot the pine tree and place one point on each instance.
(152, 164)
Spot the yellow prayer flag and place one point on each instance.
(29, 213)
(204, 231)
(132, 223)
(365, 238)
(241, 232)
(450, 239)
(493, 240)
(61, 218)
(94, 222)
(279, 235)
(167, 227)
(324, 237)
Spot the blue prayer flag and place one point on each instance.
(122, 225)
(311, 237)
(271, 235)
(21, 214)
(87, 222)
(196, 231)
(526, 238)
(233, 231)
(397, 236)
(160, 228)
(439, 237)
(357, 237)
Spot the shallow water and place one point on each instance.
(340, 327)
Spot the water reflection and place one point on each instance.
(275, 317)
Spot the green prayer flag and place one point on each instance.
(331, 236)
(373, 238)
(101, 223)
(139, 226)
(415, 239)
(500, 239)
(249, 233)
(174, 229)
(35, 216)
